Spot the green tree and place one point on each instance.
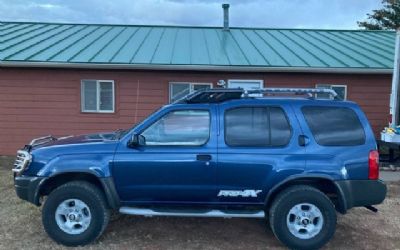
(387, 18)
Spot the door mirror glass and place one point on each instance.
(136, 141)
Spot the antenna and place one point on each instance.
(137, 100)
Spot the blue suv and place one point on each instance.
(215, 153)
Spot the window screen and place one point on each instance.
(89, 94)
(334, 126)
(256, 127)
(106, 97)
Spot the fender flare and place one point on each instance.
(107, 184)
(342, 200)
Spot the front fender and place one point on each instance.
(96, 164)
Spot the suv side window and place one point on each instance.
(334, 126)
(256, 127)
(180, 128)
(280, 128)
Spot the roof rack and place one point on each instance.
(296, 91)
(222, 94)
(212, 96)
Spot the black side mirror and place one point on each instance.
(136, 141)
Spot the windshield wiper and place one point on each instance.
(118, 133)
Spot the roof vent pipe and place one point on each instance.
(225, 6)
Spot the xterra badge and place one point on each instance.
(237, 193)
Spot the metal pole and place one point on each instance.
(225, 7)
(394, 97)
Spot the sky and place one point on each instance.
(324, 14)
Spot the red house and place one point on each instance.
(64, 79)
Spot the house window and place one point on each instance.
(247, 85)
(177, 90)
(341, 91)
(97, 96)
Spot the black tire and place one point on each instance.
(295, 195)
(92, 197)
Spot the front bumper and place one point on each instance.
(359, 193)
(27, 188)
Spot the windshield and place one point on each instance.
(122, 132)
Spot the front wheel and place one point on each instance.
(75, 213)
(302, 217)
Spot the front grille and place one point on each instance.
(22, 161)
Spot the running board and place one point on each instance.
(148, 212)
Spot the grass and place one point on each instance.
(21, 227)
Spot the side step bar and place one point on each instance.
(148, 212)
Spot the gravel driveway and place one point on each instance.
(21, 228)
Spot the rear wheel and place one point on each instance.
(75, 213)
(302, 217)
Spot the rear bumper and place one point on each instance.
(27, 188)
(359, 193)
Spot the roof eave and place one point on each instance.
(195, 67)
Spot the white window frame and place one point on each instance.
(98, 110)
(191, 86)
(261, 82)
(333, 85)
(246, 81)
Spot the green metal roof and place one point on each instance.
(178, 47)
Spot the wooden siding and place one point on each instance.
(37, 102)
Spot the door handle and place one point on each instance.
(203, 157)
(303, 140)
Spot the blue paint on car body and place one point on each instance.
(173, 175)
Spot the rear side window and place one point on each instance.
(256, 127)
(280, 129)
(334, 126)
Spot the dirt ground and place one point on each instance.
(21, 228)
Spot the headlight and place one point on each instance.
(22, 161)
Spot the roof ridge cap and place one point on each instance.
(196, 26)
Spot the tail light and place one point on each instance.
(373, 165)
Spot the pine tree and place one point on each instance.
(387, 18)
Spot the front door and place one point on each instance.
(177, 164)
